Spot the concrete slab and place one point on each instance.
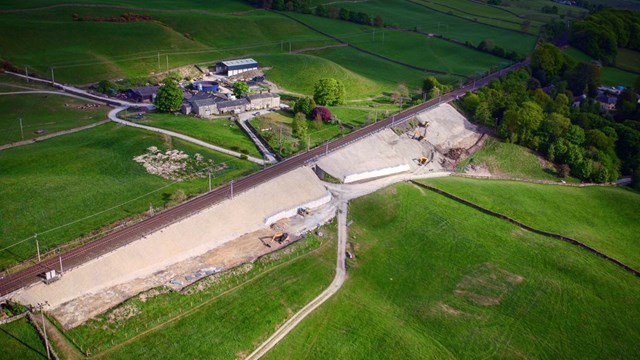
(191, 237)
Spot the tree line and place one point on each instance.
(585, 142)
(602, 33)
(304, 7)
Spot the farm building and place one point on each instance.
(233, 106)
(143, 94)
(202, 105)
(263, 101)
(235, 67)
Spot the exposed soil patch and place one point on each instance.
(175, 164)
(122, 313)
(487, 285)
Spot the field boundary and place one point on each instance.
(529, 228)
(438, 72)
(477, 22)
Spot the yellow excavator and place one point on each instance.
(280, 237)
(423, 160)
(304, 211)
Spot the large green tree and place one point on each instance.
(304, 105)
(240, 88)
(169, 96)
(329, 91)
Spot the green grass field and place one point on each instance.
(234, 312)
(408, 15)
(220, 132)
(184, 5)
(43, 112)
(628, 60)
(482, 13)
(506, 159)
(112, 50)
(605, 218)
(435, 279)
(69, 178)
(408, 47)
(611, 76)
(19, 340)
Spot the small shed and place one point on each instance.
(143, 94)
(235, 67)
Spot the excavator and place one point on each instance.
(304, 212)
(423, 160)
(280, 237)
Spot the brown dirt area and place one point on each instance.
(487, 285)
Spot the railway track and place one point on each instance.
(110, 242)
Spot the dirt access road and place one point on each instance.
(336, 284)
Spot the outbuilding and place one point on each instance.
(263, 101)
(143, 94)
(235, 67)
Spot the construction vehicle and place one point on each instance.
(304, 211)
(280, 237)
(423, 160)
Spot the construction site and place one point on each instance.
(257, 221)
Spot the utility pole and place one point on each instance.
(158, 60)
(26, 73)
(374, 34)
(53, 79)
(382, 37)
(308, 142)
(61, 269)
(37, 246)
(151, 208)
(21, 129)
(209, 179)
(326, 149)
(289, 46)
(281, 45)
(167, 62)
(44, 330)
(231, 189)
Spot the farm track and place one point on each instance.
(111, 242)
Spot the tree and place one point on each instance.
(106, 87)
(304, 105)
(278, 5)
(321, 10)
(329, 91)
(548, 58)
(333, 13)
(299, 126)
(486, 45)
(169, 97)
(379, 22)
(522, 122)
(322, 113)
(344, 14)
(429, 84)
(240, 88)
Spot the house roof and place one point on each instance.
(239, 64)
(232, 103)
(204, 99)
(146, 90)
(262, 96)
(607, 99)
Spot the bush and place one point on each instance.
(321, 112)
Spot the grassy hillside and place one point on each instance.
(506, 159)
(435, 279)
(184, 5)
(222, 317)
(611, 76)
(408, 47)
(409, 16)
(602, 217)
(69, 178)
(19, 340)
(111, 50)
(43, 112)
(628, 60)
